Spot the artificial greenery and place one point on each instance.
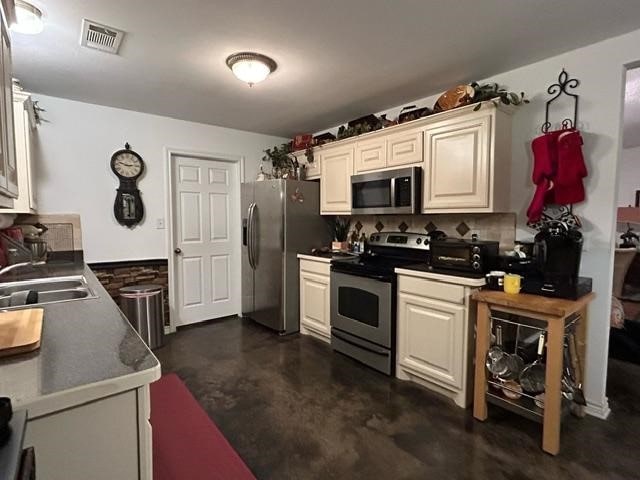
(340, 228)
(309, 154)
(493, 91)
(279, 156)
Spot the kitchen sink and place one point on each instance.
(49, 290)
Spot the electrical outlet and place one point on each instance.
(160, 223)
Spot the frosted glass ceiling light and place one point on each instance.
(251, 67)
(28, 19)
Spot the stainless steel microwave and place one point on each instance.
(392, 191)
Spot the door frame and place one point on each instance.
(170, 153)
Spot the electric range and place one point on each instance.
(363, 297)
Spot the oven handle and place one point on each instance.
(355, 343)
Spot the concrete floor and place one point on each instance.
(295, 410)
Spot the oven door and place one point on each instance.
(363, 307)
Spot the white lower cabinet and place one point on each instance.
(314, 299)
(102, 440)
(434, 328)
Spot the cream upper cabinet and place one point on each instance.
(314, 299)
(313, 168)
(466, 167)
(386, 150)
(12, 169)
(404, 148)
(25, 131)
(434, 330)
(336, 165)
(370, 155)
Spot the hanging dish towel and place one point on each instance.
(558, 170)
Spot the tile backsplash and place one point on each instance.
(488, 226)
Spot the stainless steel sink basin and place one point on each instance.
(49, 290)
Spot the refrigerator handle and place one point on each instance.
(245, 228)
(251, 236)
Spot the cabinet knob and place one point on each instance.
(177, 251)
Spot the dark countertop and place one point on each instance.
(11, 452)
(88, 350)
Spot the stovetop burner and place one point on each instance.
(388, 251)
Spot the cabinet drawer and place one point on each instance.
(431, 289)
(320, 268)
(404, 148)
(370, 155)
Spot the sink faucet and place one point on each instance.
(15, 266)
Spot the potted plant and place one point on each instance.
(493, 91)
(340, 231)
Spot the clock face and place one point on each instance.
(127, 165)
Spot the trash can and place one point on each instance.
(143, 306)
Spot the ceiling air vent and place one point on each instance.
(100, 37)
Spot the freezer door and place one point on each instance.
(267, 254)
(246, 192)
(305, 229)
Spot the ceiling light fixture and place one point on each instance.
(28, 19)
(251, 67)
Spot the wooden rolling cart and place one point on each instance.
(549, 315)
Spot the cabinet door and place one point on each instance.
(457, 164)
(3, 122)
(336, 165)
(404, 148)
(313, 168)
(314, 303)
(370, 155)
(430, 339)
(12, 169)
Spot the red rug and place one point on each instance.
(186, 443)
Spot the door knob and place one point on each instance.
(177, 251)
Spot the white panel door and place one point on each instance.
(206, 232)
(457, 164)
(429, 338)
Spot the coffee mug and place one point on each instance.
(512, 283)
(495, 280)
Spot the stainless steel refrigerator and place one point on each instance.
(281, 218)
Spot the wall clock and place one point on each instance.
(128, 167)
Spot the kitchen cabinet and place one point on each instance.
(336, 166)
(370, 155)
(384, 150)
(314, 299)
(313, 168)
(8, 170)
(466, 166)
(25, 131)
(434, 336)
(102, 440)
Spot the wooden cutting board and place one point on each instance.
(20, 331)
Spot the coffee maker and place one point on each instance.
(555, 269)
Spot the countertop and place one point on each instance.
(325, 258)
(423, 271)
(88, 351)
(11, 452)
(557, 307)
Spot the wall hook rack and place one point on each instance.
(558, 89)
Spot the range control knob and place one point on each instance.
(372, 237)
(476, 265)
(476, 249)
(476, 257)
(418, 240)
(377, 238)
